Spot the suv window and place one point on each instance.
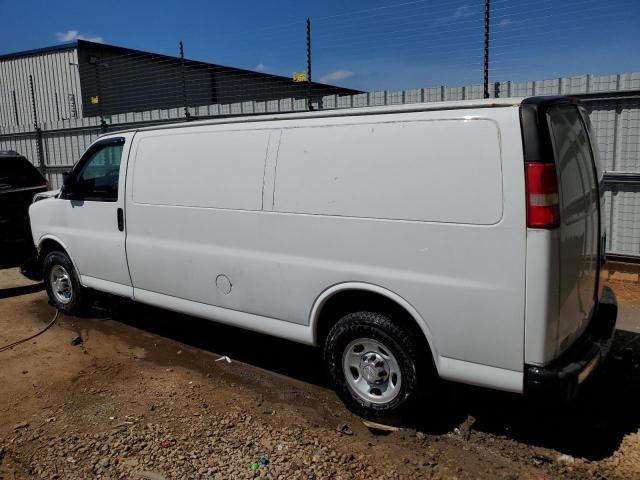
(17, 172)
(98, 174)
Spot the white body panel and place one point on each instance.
(451, 243)
(394, 168)
(542, 311)
(89, 232)
(258, 222)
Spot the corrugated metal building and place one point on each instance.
(612, 100)
(86, 79)
(56, 84)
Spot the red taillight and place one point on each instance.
(542, 195)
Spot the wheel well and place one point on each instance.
(349, 301)
(47, 246)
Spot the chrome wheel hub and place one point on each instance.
(371, 371)
(374, 368)
(61, 285)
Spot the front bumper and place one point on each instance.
(561, 379)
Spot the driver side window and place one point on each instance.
(97, 178)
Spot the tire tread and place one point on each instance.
(415, 364)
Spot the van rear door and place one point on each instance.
(580, 228)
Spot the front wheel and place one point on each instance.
(376, 365)
(62, 283)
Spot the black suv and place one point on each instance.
(19, 182)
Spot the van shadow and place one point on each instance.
(592, 426)
(264, 351)
(21, 290)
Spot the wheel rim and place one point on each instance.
(371, 370)
(61, 285)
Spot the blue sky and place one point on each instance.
(374, 44)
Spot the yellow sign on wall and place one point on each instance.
(299, 77)
(95, 99)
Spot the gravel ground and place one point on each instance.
(143, 397)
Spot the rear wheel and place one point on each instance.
(62, 283)
(375, 364)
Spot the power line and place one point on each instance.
(386, 7)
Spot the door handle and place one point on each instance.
(120, 220)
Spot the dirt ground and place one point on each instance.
(145, 395)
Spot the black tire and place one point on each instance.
(79, 297)
(410, 355)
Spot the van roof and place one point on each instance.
(341, 112)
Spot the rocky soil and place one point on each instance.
(147, 395)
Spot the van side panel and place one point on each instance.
(394, 170)
(463, 270)
(192, 217)
(201, 169)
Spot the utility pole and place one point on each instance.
(487, 23)
(309, 105)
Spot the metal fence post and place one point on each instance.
(487, 21)
(15, 107)
(57, 107)
(38, 130)
(187, 115)
(103, 124)
(309, 105)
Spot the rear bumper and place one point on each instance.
(561, 379)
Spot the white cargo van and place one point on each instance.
(459, 240)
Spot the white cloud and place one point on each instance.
(261, 67)
(463, 11)
(71, 35)
(505, 22)
(459, 12)
(335, 76)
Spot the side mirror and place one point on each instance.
(66, 184)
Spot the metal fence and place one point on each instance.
(613, 102)
(397, 45)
